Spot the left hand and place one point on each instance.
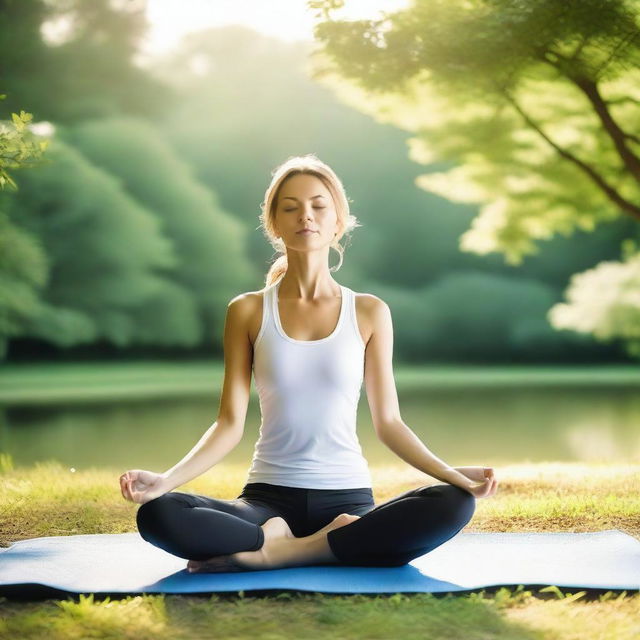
(485, 476)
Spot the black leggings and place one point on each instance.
(388, 535)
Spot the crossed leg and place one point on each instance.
(391, 534)
(280, 549)
(198, 527)
(405, 527)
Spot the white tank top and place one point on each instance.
(309, 392)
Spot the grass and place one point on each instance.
(47, 499)
(52, 383)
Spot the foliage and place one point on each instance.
(208, 241)
(73, 59)
(605, 301)
(532, 106)
(140, 252)
(200, 173)
(512, 93)
(22, 259)
(106, 256)
(468, 316)
(19, 147)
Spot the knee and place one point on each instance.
(463, 503)
(459, 504)
(151, 515)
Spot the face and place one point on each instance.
(304, 202)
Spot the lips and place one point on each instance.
(305, 231)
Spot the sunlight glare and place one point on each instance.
(289, 20)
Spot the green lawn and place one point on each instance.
(48, 499)
(31, 384)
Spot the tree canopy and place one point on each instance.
(532, 107)
(22, 260)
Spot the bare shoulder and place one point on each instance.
(246, 308)
(370, 310)
(369, 300)
(247, 299)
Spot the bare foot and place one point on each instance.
(339, 521)
(280, 549)
(216, 564)
(274, 528)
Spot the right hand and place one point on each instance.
(141, 486)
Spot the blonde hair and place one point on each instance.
(308, 164)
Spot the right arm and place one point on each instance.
(226, 432)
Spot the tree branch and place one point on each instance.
(622, 100)
(630, 136)
(611, 193)
(590, 89)
(627, 40)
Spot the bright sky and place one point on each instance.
(289, 20)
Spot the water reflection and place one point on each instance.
(461, 425)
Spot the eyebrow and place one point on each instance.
(292, 198)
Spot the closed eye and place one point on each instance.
(313, 207)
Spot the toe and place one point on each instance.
(345, 518)
(193, 564)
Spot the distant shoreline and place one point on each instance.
(70, 383)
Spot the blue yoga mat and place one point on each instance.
(127, 564)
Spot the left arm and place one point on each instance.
(383, 401)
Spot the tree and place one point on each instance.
(107, 262)
(210, 244)
(533, 108)
(605, 301)
(19, 147)
(73, 59)
(22, 260)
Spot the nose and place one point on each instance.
(306, 213)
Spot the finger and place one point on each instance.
(481, 492)
(123, 487)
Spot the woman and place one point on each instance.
(311, 342)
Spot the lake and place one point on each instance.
(462, 424)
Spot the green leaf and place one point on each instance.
(17, 121)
